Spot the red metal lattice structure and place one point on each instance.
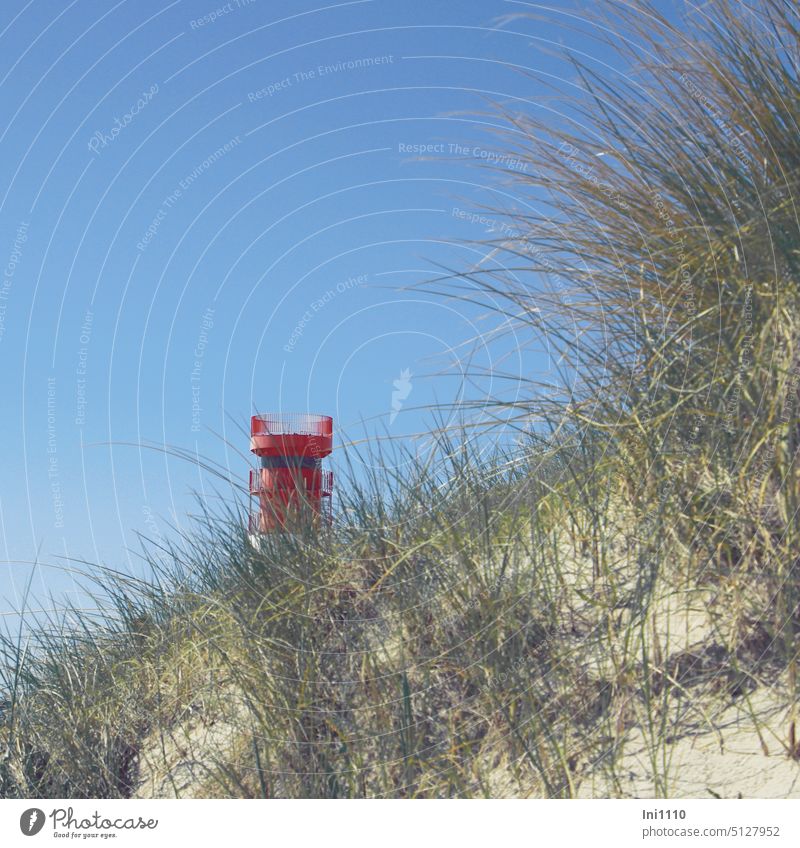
(290, 482)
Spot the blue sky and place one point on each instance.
(209, 209)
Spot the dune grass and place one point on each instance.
(530, 622)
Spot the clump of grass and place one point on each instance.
(664, 272)
(498, 643)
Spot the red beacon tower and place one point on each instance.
(290, 481)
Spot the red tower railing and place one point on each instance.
(290, 480)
